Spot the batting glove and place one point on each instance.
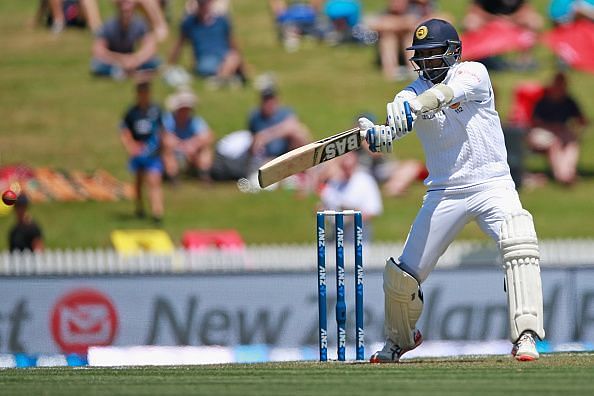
(400, 117)
(379, 137)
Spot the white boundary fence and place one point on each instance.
(269, 258)
(64, 301)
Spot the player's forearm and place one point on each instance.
(433, 99)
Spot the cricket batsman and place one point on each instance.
(452, 108)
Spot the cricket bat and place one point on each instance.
(308, 156)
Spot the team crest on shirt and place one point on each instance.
(456, 107)
(421, 32)
(143, 126)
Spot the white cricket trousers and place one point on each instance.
(444, 214)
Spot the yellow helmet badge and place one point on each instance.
(421, 32)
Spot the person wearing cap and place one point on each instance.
(189, 139)
(216, 53)
(451, 106)
(141, 134)
(26, 233)
(276, 128)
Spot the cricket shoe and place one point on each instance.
(391, 352)
(525, 348)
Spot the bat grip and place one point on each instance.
(409, 118)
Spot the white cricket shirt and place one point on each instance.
(464, 142)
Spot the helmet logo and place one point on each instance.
(421, 32)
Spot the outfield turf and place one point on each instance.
(554, 374)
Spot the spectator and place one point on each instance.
(124, 45)
(141, 134)
(566, 11)
(232, 156)
(59, 14)
(155, 11)
(189, 140)
(82, 13)
(557, 121)
(215, 50)
(295, 20)
(344, 15)
(515, 129)
(25, 234)
(395, 27)
(348, 186)
(332, 20)
(276, 128)
(519, 12)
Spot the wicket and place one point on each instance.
(341, 312)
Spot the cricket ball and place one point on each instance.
(9, 197)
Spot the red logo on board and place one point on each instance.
(83, 318)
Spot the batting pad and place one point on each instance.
(519, 249)
(403, 305)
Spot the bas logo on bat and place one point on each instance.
(308, 156)
(339, 147)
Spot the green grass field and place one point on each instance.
(55, 114)
(553, 374)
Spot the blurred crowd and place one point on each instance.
(166, 143)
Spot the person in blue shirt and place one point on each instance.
(141, 133)
(214, 47)
(276, 129)
(189, 139)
